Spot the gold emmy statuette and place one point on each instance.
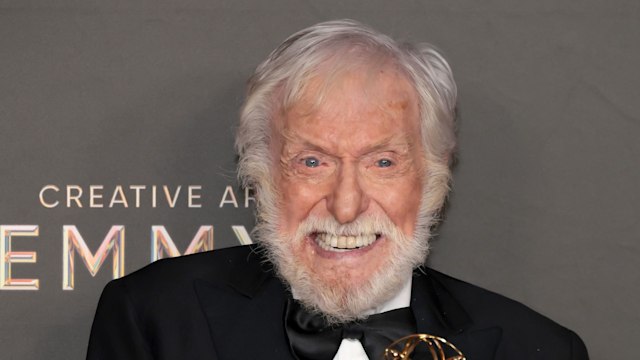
(439, 348)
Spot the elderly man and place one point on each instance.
(347, 136)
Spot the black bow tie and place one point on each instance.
(311, 338)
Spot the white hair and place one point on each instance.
(326, 49)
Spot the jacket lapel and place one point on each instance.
(439, 313)
(251, 295)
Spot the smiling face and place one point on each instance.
(349, 177)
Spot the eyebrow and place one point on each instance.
(390, 141)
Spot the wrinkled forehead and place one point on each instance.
(357, 114)
(370, 98)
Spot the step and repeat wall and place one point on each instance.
(116, 140)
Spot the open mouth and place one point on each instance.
(332, 242)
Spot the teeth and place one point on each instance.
(334, 242)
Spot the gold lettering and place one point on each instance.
(194, 196)
(73, 242)
(137, 189)
(118, 197)
(44, 203)
(153, 196)
(248, 196)
(171, 200)
(228, 192)
(93, 196)
(162, 243)
(75, 197)
(242, 235)
(8, 257)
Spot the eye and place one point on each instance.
(383, 163)
(311, 162)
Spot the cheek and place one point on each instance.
(401, 203)
(298, 199)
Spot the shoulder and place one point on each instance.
(200, 264)
(157, 309)
(487, 307)
(521, 327)
(177, 275)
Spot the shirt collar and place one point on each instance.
(402, 299)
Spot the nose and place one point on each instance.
(347, 200)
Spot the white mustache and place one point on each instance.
(365, 225)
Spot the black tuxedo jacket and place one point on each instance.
(228, 304)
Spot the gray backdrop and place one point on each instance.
(545, 204)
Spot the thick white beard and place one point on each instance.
(342, 301)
